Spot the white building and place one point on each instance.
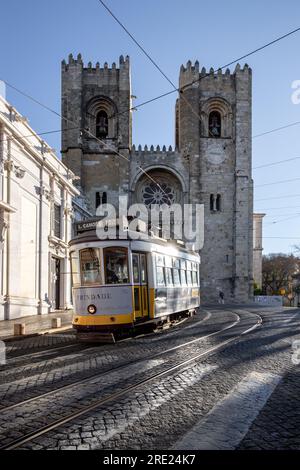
(36, 192)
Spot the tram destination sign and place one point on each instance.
(86, 225)
(90, 225)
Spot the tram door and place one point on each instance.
(140, 279)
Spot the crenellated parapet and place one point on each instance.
(124, 63)
(192, 75)
(96, 97)
(151, 151)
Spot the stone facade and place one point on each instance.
(210, 164)
(257, 248)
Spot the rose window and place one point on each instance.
(158, 194)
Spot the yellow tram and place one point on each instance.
(120, 284)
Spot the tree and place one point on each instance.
(257, 290)
(277, 272)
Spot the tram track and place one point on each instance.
(119, 367)
(15, 443)
(19, 357)
(15, 359)
(15, 366)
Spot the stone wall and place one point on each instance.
(212, 171)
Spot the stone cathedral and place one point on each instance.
(210, 163)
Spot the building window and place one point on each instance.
(215, 203)
(215, 124)
(57, 221)
(100, 199)
(158, 194)
(102, 125)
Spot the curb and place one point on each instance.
(10, 339)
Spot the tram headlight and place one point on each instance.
(92, 309)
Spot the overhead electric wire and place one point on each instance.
(277, 182)
(156, 65)
(58, 131)
(159, 96)
(278, 197)
(181, 89)
(279, 208)
(77, 128)
(85, 130)
(275, 163)
(276, 129)
(284, 220)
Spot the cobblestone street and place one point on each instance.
(223, 379)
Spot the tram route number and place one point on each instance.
(150, 459)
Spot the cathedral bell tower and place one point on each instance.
(214, 134)
(96, 127)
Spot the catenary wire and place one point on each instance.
(176, 89)
(85, 130)
(181, 89)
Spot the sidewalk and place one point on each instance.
(36, 324)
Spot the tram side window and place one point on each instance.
(116, 266)
(183, 277)
(176, 277)
(195, 274)
(183, 272)
(160, 276)
(90, 266)
(169, 277)
(189, 278)
(160, 271)
(136, 269)
(143, 269)
(75, 268)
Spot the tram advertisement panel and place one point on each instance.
(109, 300)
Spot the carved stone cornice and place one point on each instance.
(47, 193)
(57, 246)
(10, 166)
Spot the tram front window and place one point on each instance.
(90, 266)
(116, 266)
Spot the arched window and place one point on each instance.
(102, 125)
(215, 203)
(218, 203)
(215, 124)
(104, 198)
(98, 199)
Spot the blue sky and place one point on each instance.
(36, 35)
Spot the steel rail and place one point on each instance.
(113, 369)
(86, 409)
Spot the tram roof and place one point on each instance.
(90, 236)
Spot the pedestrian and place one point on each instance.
(221, 298)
